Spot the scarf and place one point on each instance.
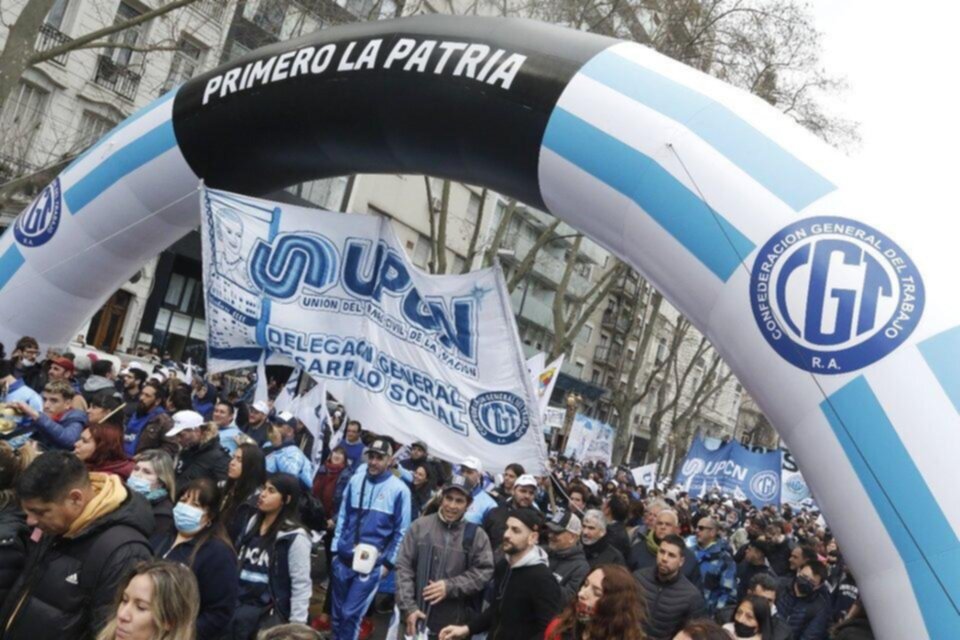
(652, 544)
(109, 495)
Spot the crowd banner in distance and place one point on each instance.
(836, 309)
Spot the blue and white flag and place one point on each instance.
(411, 355)
(731, 468)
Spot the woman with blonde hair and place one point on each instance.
(153, 478)
(157, 601)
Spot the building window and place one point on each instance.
(473, 210)
(93, 126)
(595, 377)
(270, 15)
(421, 253)
(21, 118)
(236, 50)
(124, 56)
(181, 326)
(186, 62)
(57, 12)
(579, 368)
(661, 350)
(587, 332)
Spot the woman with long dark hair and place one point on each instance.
(275, 584)
(752, 620)
(246, 474)
(201, 543)
(608, 605)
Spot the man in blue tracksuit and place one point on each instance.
(374, 512)
(472, 469)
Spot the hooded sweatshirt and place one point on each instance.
(526, 598)
(96, 384)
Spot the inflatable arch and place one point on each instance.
(839, 316)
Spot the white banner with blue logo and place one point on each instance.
(731, 468)
(411, 355)
(589, 439)
(795, 490)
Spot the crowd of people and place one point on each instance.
(138, 504)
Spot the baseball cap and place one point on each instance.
(526, 480)
(459, 483)
(380, 446)
(260, 406)
(531, 518)
(565, 521)
(472, 462)
(183, 420)
(64, 363)
(421, 444)
(285, 416)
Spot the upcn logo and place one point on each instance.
(36, 225)
(693, 466)
(833, 295)
(499, 417)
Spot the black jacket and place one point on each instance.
(162, 518)
(57, 605)
(13, 547)
(641, 558)
(808, 617)
(207, 460)
(602, 552)
(670, 604)
(617, 533)
(526, 598)
(215, 566)
(570, 568)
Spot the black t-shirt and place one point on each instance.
(255, 570)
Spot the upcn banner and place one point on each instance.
(412, 355)
(733, 469)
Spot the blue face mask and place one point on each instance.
(139, 485)
(187, 519)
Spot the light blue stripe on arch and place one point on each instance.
(126, 123)
(929, 549)
(128, 159)
(779, 171)
(942, 353)
(10, 262)
(706, 234)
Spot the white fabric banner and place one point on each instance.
(411, 355)
(794, 488)
(553, 418)
(646, 475)
(589, 439)
(288, 393)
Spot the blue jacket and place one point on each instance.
(205, 406)
(382, 521)
(135, 426)
(18, 391)
(228, 438)
(354, 453)
(482, 503)
(287, 458)
(718, 575)
(59, 435)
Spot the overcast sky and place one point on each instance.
(901, 62)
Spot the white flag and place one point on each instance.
(545, 380)
(413, 356)
(261, 394)
(285, 398)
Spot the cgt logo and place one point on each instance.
(832, 295)
(765, 485)
(302, 263)
(499, 417)
(39, 222)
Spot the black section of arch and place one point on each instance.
(380, 120)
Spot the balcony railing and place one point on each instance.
(119, 79)
(615, 322)
(212, 8)
(50, 38)
(608, 355)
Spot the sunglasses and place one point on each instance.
(702, 528)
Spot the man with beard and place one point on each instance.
(643, 553)
(718, 572)
(149, 410)
(671, 599)
(526, 595)
(259, 425)
(495, 522)
(131, 381)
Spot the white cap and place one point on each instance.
(183, 420)
(592, 485)
(472, 462)
(260, 406)
(137, 365)
(526, 480)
